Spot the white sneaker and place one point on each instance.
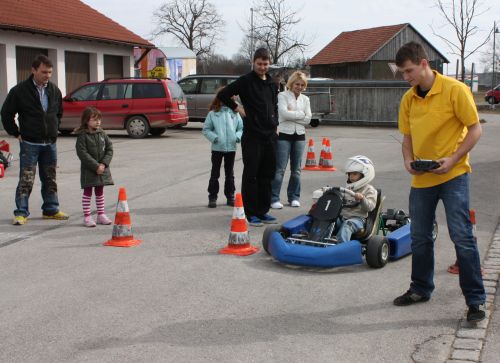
(276, 205)
(295, 203)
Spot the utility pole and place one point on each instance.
(251, 38)
(493, 78)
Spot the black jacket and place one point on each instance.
(260, 101)
(35, 125)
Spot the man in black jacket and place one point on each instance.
(259, 94)
(38, 104)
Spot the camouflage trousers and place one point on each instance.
(45, 155)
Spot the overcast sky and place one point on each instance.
(322, 20)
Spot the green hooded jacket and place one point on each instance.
(93, 149)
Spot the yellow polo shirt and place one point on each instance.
(437, 125)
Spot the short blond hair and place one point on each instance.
(296, 76)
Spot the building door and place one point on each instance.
(113, 66)
(24, 59)
(77, 67)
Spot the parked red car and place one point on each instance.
(138, 105)
(493, 96)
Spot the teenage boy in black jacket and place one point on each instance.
(38, 104)
(259, 94)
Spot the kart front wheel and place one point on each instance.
(377, 251)
(267, 235)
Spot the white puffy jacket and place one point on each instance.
(293, 113)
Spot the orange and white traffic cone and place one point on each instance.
(454, 269)
(239, 239)
(311, 157)
(122, 229)
(328, 159)
(322, 153)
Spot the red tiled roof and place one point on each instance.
(70, 18)
(355, 46)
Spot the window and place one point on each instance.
(189, 86)
(225, 82)
(175, 91)
(86, 93)
(148, 90)
(211, 85)
(113, 91)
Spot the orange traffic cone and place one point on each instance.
(327, 160)
(122, 229)
(239, 239)
(322, 153)
(311, 157)
(454, 269)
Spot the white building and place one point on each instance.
(83, 44)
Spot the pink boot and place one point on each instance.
(103, 219)
(88, 221)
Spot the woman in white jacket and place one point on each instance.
(294, 112)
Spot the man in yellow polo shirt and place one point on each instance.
(439, 121)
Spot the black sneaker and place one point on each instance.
(475, 314)
(212, 203)
(409, 298)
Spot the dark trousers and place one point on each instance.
(259, 167)
(213, 184)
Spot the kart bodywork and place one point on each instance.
(386, 237)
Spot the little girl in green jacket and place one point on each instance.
(95, 151)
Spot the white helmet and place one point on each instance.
(363, 165)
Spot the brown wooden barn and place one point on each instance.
(369, 54)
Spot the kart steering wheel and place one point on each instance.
(347, 191)
(350, 193)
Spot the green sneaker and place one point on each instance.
(19, 220)
(60, 216)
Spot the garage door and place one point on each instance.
(77, 69)
(24, 59)
(113, 66)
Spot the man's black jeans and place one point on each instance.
(259, 167)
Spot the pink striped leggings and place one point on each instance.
(87, 198)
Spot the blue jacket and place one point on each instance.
(223, 129)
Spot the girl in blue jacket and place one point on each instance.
(223, 128)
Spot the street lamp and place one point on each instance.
(493, 78)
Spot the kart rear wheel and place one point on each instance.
(267, 235)
(377, 251)
(435, 230)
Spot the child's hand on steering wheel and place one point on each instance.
(359, 196)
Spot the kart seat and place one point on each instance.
(372, 221)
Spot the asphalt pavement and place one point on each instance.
(66, 298)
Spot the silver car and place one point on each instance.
(200, 90)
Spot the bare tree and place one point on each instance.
(274, 22)
(487, 56)
(461, 14)
(195, 24)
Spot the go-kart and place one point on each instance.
(309, 240)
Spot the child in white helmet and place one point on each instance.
(360, 172)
